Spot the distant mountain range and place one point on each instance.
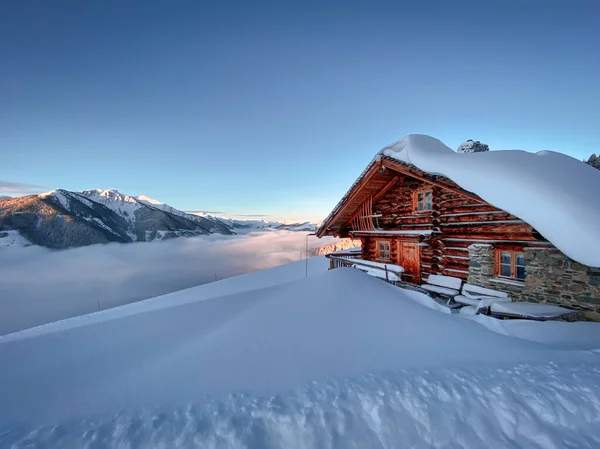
(64, 219)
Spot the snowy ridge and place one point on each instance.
(59, 195)
(214, 224)
(545, 189)
(123, 205)
(263, 224)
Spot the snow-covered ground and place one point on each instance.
(273, 359)
(13, 239)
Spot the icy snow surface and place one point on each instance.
(336, 360)
(553, 192)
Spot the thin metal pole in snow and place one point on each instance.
(306, 254)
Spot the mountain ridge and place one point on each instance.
(64, 219)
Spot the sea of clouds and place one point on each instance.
(38, 285)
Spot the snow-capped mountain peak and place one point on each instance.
(108, 195)
(148, 200)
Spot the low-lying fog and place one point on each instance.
(38, 285)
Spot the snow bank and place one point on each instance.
(581, 335)
(336, 360)
(553, 192)
(531, 310)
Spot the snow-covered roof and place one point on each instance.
(553, 192)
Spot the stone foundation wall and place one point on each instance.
(554, 278)
(551, 278)
(482, 272)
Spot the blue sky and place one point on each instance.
(275, 107)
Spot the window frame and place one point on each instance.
(513, 264)
(423, 191)
(389, 250)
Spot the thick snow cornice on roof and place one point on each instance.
(556, 194)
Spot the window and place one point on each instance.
(510, 264)
(383, 250)
(423, 200)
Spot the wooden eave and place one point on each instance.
(380, 176)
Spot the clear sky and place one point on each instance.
(250, 107)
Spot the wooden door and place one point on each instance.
(410, 260)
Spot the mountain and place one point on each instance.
(63, 219)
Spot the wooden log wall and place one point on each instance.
(395, 208)
(456, 222)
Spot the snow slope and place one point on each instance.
(335, 360)
(13, 239)
(215, 224)
(58, 316)
(546, 189)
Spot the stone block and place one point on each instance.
(577, 288)
(588, 299)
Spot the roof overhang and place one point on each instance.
(379, 176)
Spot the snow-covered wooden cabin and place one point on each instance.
(507, 220)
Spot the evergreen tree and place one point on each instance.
(594, 161)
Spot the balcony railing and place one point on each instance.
(388, 272)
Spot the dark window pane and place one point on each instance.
(505, 258)
(520, 259)
(420, 197)
(520, 272)
(505, 270)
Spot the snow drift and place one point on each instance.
(553, 192)
(336, 360)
